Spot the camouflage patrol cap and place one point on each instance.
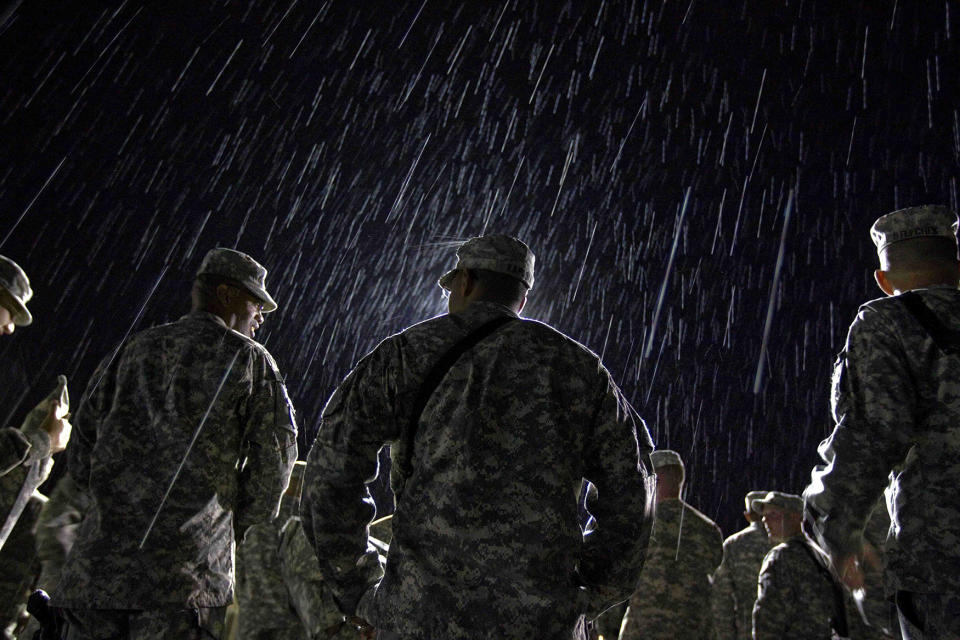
(15, 282)
(785, 501)
(929, 220)
(498, 253)
(242, 269)
(751, 496)
(665, 458)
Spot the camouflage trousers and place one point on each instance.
(928, 616)
(158, 624)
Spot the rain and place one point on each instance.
(697, 180)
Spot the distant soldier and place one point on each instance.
(896, 403)
(280, 594)
(735, 582)
(672, 599)
(797, 596)
(186, 438)
(25, 452)
(493, 422)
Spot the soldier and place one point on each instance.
(25, 453)
(796, 596)
(280, 594)
(20, 569)
(490, 441)
(186, 437)
(672, 599)
(735, 582)
(896, 403)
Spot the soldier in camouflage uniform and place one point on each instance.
(280, 594)
(896, 403)
(25, 452)
(797, 596)
(186, 438)
(672, 598)
(19, 569)
(486, 538)
(735, 582)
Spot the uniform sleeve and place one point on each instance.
(307, 593)
(269, 449)
(723, 601)
(873, 402)
(336, 507)
(771, 611)
(94, 405)
(261, 594)
(616, 459)
(21, 447)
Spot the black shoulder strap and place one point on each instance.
(839, 619)
(435, 376)
(945, 338)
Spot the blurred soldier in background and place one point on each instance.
(186, 437)
(735, 582)
(672, 599)
(797, 596)
(494, 422)
(896, 403)
(280, 594)
(25, 453)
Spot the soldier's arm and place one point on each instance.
(94, 405)
(616, 462)
(336, 507)
(723, 601)
(261, 594)
(873, 405)
(269, 447)
(772, 611)
(307, 593)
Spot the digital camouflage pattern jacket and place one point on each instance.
(896, 404)
(735, 582)
(134, 426)
(486, 539)
(672, 598)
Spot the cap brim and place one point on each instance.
(21, 317)
(269, 304)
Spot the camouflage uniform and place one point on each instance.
(672, 598)
(280, 595)
(133, 429)
(19, 567)
(486, 541)
(735, 582)
(896, 403)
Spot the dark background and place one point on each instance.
(350, 145)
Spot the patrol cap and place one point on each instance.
(665, 458)
(751, 496)
(242, 269)
(785, 501)
(925, 221)
(498, 253)
(14, 280)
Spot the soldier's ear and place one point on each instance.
(884, 282)
(224, 294)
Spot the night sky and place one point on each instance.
(660, 157)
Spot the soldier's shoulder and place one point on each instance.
(746, 536)
(700, 518)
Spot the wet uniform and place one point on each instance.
(132, 431)
(672, 598)
(486, 541)
(735, 582)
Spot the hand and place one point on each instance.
(364, 628)
(57, 427)
(851, 568)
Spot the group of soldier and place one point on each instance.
(184, 512)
